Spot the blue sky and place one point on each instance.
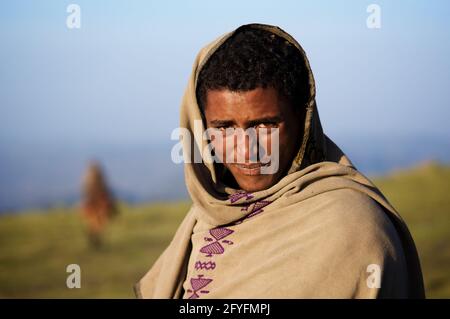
(120, 77)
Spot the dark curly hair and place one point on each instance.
(253, 58)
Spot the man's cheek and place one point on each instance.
(269, 150)
(219, 150)
(223, 150)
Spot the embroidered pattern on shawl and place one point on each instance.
(216, 244)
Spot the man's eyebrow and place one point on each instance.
(219, 123)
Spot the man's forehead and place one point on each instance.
(254, 103)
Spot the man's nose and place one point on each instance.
(246, 147)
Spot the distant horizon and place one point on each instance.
(75, 200)
(45, 174)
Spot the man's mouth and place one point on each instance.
(250, 169)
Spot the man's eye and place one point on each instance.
(266, 125)
(225, 130)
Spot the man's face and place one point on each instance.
(261, 108)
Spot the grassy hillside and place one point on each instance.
(422, 196)
(35, 248)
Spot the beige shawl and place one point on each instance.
(323, 231)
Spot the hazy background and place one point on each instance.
(111, 90)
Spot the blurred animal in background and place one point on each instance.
(98, 204)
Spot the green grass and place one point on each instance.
(37, 246)
(36, 249)
(422, 196)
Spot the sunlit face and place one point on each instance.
(261, 108)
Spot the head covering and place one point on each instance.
(322, 215)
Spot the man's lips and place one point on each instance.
(250, 169)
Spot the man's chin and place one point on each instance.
(255, 183)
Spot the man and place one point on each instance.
(98, 205)
(312, 228)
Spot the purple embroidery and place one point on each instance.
(216, 247)
(209, 265)
(256, 208)
(215, 241)
(197, 284)
(237, 196)
(219, 233)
